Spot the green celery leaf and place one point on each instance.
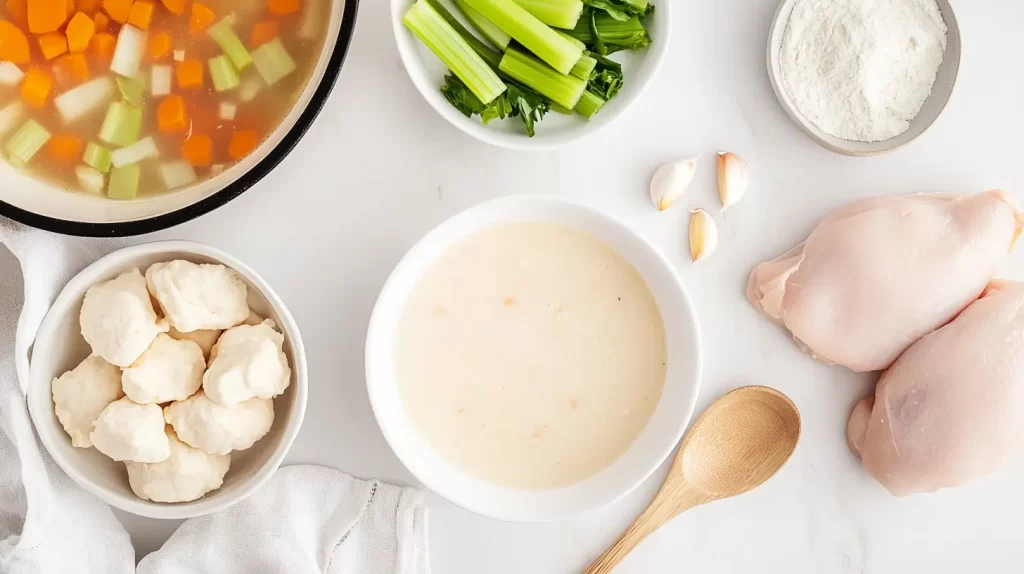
(461, 97)
(614, 9)
(518, 101)
(528, 105)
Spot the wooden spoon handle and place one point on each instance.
(669, 503)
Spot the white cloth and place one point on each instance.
(305, 519)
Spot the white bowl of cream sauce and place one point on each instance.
(532, 359)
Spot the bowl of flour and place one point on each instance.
(864, 77)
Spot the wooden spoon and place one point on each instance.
(739, 442)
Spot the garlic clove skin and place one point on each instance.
(671, 181)
(703, 235)
(733, 179)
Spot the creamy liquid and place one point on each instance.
(531, 355)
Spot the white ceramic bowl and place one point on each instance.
(645, 455)
(427, 73)
(59, 347)
(932, 109)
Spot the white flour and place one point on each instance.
(861, 69)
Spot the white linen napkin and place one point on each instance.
(305, 519)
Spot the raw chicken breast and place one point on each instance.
(879, 274)
(951, 409)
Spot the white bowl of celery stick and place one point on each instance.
(634, 32)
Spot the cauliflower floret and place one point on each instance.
(80, 395)
(205, 338)
(203, 424)
(186, 475)
(118, 320)
(168, 371)
(130, 431)
(195, 297)
(247, 362)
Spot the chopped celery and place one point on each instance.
(574, 41)
(80, 101)
(131, 89)
(525, 28)
(561, 109)
(160, 80)
(138, 151)
(522, 67)
(10, 74)
(97, 156)
(124, 182)
(223, 72)
(490, 56)
(584, 67)
(122, 125)
(10, 115)
(589, 104)
(131, 46)
(555, 13)
(91, 179)
(272, 61)
(29, 138)
(177, 174)
(612, 35)
(446, 42)
(494, 34)
(225, 36)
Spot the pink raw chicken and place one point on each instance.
(951, 409)
(879, 274)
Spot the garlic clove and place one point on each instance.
(703, 235)
(733, 178)
(671, 181)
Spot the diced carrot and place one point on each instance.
(263, 32)
(190, 74)
(100, 21)
(284, 6)
(66, 148)
(53, 44)
(171, 116)
(242, 144)
(118, 10)
(141, 14)
(160, 46)
(46, 15)
(201, 19)
(88, 5)
(102, 46)
(176, 6)
(36, 86)
(79, 32)
(13, 44)
(72, 67)
(198, 150)
(17, 10)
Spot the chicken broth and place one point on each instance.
(203, 100)
(531, 355)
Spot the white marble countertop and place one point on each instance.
(380, 168)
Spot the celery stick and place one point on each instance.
(525, 28)
(482, 49)
(574, 41)
(223, 72)
(584, 67)
(131, 90)
(272, 61)
(225, 36)
(494, 34)
(454, 51)
(555, 13)
(98, 157)
(124, 182)
(122, 125)
(25, 142)
(524, 68)
(589, 104)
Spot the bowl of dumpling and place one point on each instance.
(168, 379)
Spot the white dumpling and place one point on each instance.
(248, 361)
(205, 338)
(203, 424)
(81, 394)
(127, 431)
(169, 370)
(118, 320)
(187, 473)
(198, 297)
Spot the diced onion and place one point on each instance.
(10, 74)
(91, 180)
(160, 81)
(138, 151)
(177, 174)
(78, 102)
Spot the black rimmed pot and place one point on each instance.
(236, 188)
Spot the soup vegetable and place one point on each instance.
(539, 55)
(126, 98)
